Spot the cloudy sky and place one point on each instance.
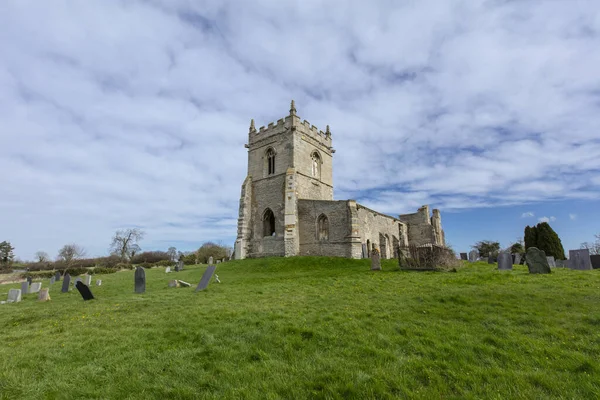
(130, 113)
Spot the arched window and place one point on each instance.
(323, 227)
(268, 223)
(316, 165)
(270, 156)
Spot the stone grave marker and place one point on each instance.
(580, 259)
(57, 276)
(517, 259)
(14, 296)
(78, 279)
(217, 278)
(29, 280)
(44, 295)
(218, 261)
(174, 283)
(473, 255)
(52, 280)
(551, 261)
(140, 280)
(88, 280)
(223, 260)
(210, 260)
(66, 283)
(364, 250)
(464, 256)
(35, 287)
(560, 263)
(375, 261)
(537, 261)
(181, 265)
(168, 270)
(98, 282)
(491, 259)
(24, 288)
(595, 260)
(184, 284)
(505, 261)
(206, 278)
(85, 291)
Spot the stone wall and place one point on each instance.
(384, 231)
(423, 229)
(267, 193)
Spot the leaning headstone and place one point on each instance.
(536, 261)
(375, 261)
(174, 283)
(595, 260)
(14, 296)
(184, 284)
(44, 295)
(464, 256)
(57, 276)
(364, 250)
(140, 280)
(473, 255)
(580, 259)
(24, 288)
(35, 287)
(167, 270)
(88, 280)
(210, 260)
(505, 261)
(84, 291)
(98, 282)
(206, 278)
(52, 280)
(517, 259)
(551, 261)
(66, 283)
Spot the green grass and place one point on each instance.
(310, 328)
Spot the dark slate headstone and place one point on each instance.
(29, 280)
(595, 259)
(57, 276)
(364, 250)
(505, 261)
(473, 255)
(140, 280)
(464, 256)
(180, 265)
(24, 288)
(206, 278)
(536, 261)
(85, 291)
(52, 280)
(66, 283)
(580, 259)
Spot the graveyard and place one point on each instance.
(307, 327)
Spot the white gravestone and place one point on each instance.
(14, 296)
(88, 280)
(99, 282)
(167, 270)
(35, 287)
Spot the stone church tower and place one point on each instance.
(287, 161)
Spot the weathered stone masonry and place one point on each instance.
(287, 206)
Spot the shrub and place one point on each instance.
(150, 257)
(124, 266)
(163, 263)
(211, 249)
(108, 262)
(189, 259)
(103, 271)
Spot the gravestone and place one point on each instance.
(536, 261)
(168, 270)
(57, 276)
(551, 261)
(66, 283)
(85, 291)
(44, 295)
(595, 260)
(375, 261)
(491, 259)
(78, 279)
(88, 280)
(24, 288)
(217, 278)
(35, 287)
(364, 250)
(29, 280)
(580, 259)
(561, 263)
(473, 254)
(223, 260)
(184, 284)
(174, 283)
(218, 261)
(517, 259)
(505, 261)
(52, 280)
(98, 282)
(140, 280)
(464, 256)
(206, 278)
(14, 296)
(210, 260)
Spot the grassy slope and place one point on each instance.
(310, 328)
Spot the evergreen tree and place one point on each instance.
(530, 237)
(547, 239)
(6, 253)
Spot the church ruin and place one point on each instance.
(287, 206)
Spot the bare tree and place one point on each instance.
(124, 243)
(594, 248)
(70, 253)
(42, 256)
(172, 252)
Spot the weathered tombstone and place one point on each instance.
(88, 280)
(473, 254)
(218, 261)
(364, 250)
(491, 259)
(184, 284)
(66, 283)
(580, 259)
(181, 265)
(57, 276)
(505, 261)
(223, 260)
(98, 282)
(560, 263)
(375, 261)
(206, 278)
(29, 280)
(210, 260)
(78, 279)
(517, 259)
(52, 280)
(44, 295)
(35, 287)
(177, 268)
(84, 291)
(168, 270)
(536, 261)
(595, 260)
(14, 296)
(140, 280)
(24, 288)
(551, 261)
(174, 283)
(464, 256)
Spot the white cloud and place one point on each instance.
(527, 214)
(547, 219)
(572, 217)
(456, 103)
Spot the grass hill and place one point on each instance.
(313, 328)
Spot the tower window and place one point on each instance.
(268, 223)
(323, 227)
(316, 165)
(270, 161)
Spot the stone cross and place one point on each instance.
(66, 283)
(44, 295)
(375, 261)
(35, 287)
(537, 261)
(14, 296)
(84, 291)
(473, 255)
(504, 261)
(24, 288)
(580, 259)
(140, 280)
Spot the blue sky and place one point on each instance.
(116, 114)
